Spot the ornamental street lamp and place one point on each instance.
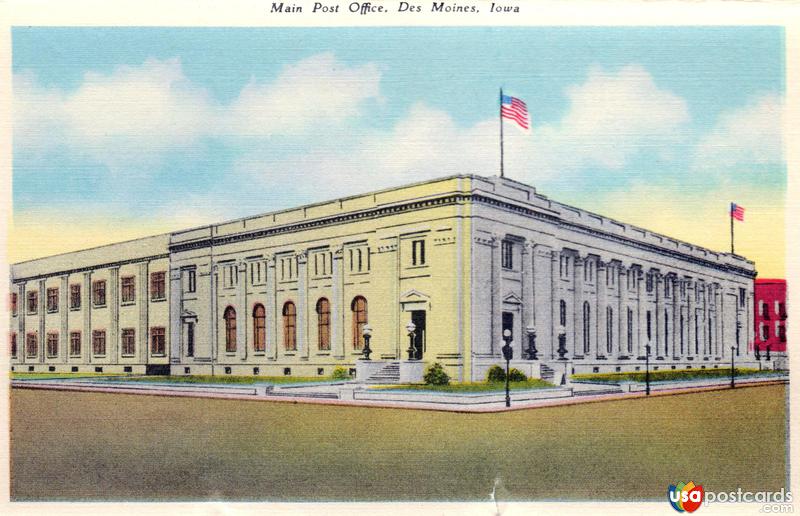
(533, 353)
(410, 327)
(508, 354)
(647, 370)
(366, 331)
(733, 371)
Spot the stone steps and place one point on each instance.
(390, 373)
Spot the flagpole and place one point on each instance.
(730, 214)
(500, 112)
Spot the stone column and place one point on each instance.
(577, 312)
(302, 305)
(270, 310)
(527, 297)
(113, 315)
(22, 309)
(215, 345)
(622, 310)
(243, 312)
(42, 313)
(144, 315)
(601, 333)
(63, 310)
(497, 311)
(641, 340)
(337, 304)
(542, 300)
(659, 320)
(87, 317)
(176, 322)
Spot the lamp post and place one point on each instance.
(410, 327)
(366, 331)
(647, 369)
(733, 371)
(508, 354)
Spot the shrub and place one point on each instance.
(435, 375)
(515, 375)
(340, 373)
(496, 374)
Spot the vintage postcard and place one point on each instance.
(447, 257)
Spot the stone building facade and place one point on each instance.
(464, 258)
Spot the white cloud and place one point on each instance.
(752, 135)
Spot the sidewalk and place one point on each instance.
(352, 394)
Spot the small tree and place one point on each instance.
(340, 373)
(435, 375)
(515, 375)
(496, 374)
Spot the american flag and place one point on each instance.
(514, 109)
(737, 212)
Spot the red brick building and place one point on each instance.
(770, 316)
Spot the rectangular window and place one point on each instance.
(31, 345)
(128, 289)
(649, 282)
(157, 341)
(75, 344)
(13, 304)
(128, 342)
(764, 332)
(33, 302)
(563, 267)
(588, 271)
(630, 330)
(13, 345)
(99, 293)
(52, 299)
(75, 296)
(668, 287)
(52, 345)
(158, 286)
(99, 342)
(782, 333)
(781, 310)
(742, 298)
(418, 252)
(507, 254)
(189, 339)
(649, 325)
(191, 280)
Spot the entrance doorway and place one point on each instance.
(418, 318)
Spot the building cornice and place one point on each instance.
(89, 268)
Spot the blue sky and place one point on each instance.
(127, 130)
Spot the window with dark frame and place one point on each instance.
(52, 344)
(259, 328)
(609, 329)
(507, 254)
(742, 297)
(75, 296)
(99, 342)
(289, 326)
(191, 279)
(99, 293)
(75, 344)
(128, 289)
(13, 345)
(13, 304)
(31, 345)
(158, 341)
(158, 286)
(52, 299)
(418, 252)
(33, 302)
(190, 339)
(359, 309)
(586, 325)
(128, 342)
(562, 313)
(230, 329)
(649, 325)
(323, 324)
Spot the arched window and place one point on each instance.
(230, 329)
(289, 326)
(259, 328)
(586, 315)
(359, 308)
(323, 324)
(562, 312)
(666, 333)
(609, 329)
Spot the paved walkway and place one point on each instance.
(351, 394)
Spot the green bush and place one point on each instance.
(515, 375)
(496, 374)
(435, 375)
(341, 373)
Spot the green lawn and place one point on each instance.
(96, 446)
(231, 379)
(532, 383)
(673, 375)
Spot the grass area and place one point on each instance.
(532, 383)
(96, 446)
(673, 375)
(230, 379)
(49, 376)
